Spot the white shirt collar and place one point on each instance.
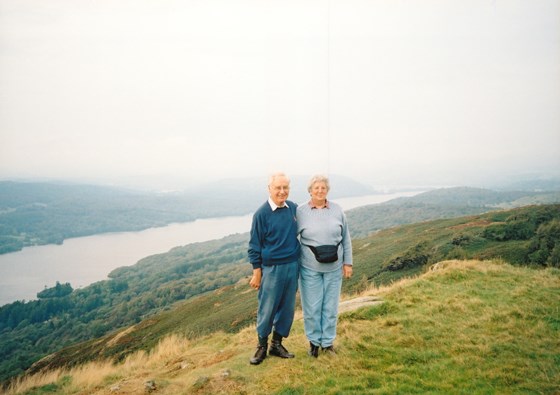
(273, 205)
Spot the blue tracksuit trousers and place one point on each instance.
(277, 299)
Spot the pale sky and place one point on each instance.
(387, 92)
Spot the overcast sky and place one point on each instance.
(390, 92)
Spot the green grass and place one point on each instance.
(472, 329)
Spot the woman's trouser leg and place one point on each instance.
(311, 289)
(332, 283)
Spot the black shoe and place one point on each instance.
(260, 355)
(330, 350)
(278, 350)
(313, 350)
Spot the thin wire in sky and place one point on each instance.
(328, 87)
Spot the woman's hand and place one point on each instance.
(346, 271)
(256, 279)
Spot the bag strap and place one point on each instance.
(307, 245)
(314, 248)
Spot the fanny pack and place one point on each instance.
(326, 253)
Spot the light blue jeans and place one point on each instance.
(320, 294)
(277, 299)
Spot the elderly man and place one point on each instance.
(273, 252)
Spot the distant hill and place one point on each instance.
(256, 188)
(465, 327)
(48, 213)
(150, 293)
(441, 203)
(535, 183)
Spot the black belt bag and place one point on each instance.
(325, 254)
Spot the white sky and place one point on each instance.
(384, 91)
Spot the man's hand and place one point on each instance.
(256, 279)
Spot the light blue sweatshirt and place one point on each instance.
(323, 226)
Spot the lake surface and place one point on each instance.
(84, 260)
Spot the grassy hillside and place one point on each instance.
(228, 309)
(464, 327)
(529, 235)
(515, 235)
(29, 331)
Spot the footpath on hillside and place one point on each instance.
(356, 303)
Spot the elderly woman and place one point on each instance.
(326, 257)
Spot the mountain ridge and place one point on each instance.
(34, 213)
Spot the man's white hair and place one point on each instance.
(274, 176)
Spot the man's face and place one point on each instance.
(279, 190)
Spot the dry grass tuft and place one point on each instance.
(26, 383)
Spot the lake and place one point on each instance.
(84, 260)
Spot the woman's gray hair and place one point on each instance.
(318, 178)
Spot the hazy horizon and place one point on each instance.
(163, 94)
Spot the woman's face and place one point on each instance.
(319, 191)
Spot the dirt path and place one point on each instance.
(356, 303)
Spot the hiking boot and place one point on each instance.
(313, 350)
(259, 356)
(278, 350)
(330, 350)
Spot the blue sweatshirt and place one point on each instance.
(273, 238)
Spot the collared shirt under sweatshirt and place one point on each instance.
(273, 237)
